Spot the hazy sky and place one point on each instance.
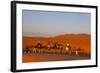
(51, 23)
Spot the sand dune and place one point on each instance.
(82, 41)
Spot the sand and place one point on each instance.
(82, 41)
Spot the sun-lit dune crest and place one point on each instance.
(73, 35)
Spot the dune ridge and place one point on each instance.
(78, 40)
(83, 41)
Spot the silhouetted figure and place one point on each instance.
(39, 45)
(79, 49)
(48, 45)
(27, 50)
(57, 45)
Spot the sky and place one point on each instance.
(52, 23)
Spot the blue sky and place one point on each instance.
(51, 23)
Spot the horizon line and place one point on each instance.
(59, 35)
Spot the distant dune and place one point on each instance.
(82, 41)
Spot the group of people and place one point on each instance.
(40, 47)
(54, 48)
(56, 45)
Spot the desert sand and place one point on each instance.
(82, 41)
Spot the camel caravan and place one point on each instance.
(55, 48)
